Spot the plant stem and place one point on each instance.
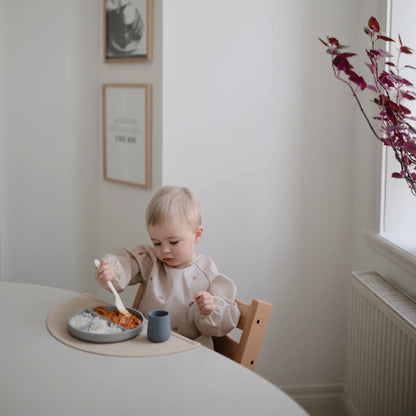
(365, 116)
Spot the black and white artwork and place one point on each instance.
(128, 30)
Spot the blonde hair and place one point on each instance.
(173, 203)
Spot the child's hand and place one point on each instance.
(205, 302)
(105, 273)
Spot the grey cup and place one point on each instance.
(158, 326)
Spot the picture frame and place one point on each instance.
(128, 31)
(126, 126)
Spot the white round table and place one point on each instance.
(42, 376)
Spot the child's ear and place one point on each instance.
(198, 234)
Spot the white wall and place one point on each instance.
(49, 140)
(245, 112)
(251, 126)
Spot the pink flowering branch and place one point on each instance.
(390, 90)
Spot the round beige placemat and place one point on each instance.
(140, 346)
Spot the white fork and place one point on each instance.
(119, 303)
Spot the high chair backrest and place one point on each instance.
(138, 296)
(253, 324)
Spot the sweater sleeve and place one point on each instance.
(225, 315)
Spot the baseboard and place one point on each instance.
(320, 399)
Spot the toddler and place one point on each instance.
(200, 299)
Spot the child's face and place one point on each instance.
(174, 242)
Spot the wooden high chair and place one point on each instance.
(138, 296)
(253, 324)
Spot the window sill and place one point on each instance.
(399, 249)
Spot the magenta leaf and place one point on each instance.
(410, 147)
(384, 53)
(373, 52)
(405, 49)
(333, 41)
(387, 79)
(408, 96)
(406, 82)
(346, 55)
(373, 24)
(405, 110)
(323, 42)
(341, 62)
(387, 39)
(357, 79)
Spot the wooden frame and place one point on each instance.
(126, 124)
(128, 30)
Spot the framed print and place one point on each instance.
(127, 133)
(128, 30)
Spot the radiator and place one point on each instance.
(381, 370)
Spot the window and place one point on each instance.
(398, 214)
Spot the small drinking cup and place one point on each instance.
(158, 326)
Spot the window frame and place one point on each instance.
(393, 246)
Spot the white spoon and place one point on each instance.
(119, 303)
